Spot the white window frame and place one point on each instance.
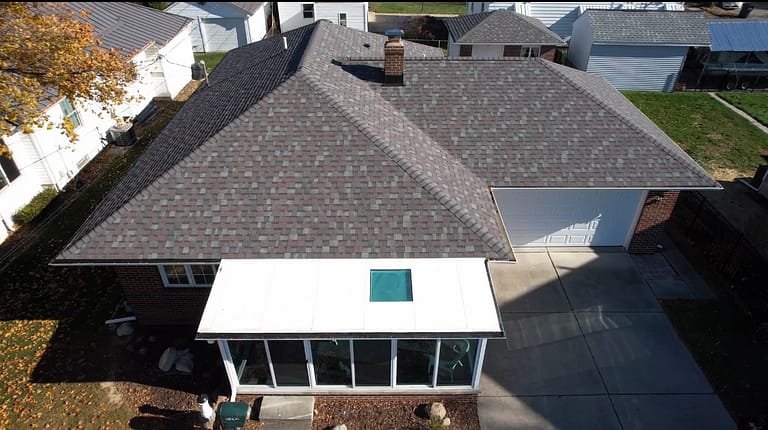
(343, 19)
(74, 113)
(529, 50)
(188, 271)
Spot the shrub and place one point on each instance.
(29, 212)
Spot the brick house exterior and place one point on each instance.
(656, 211)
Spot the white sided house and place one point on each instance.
(293, 15)
(156, 42)
(221, 26)
(560, 16)
(636, 50)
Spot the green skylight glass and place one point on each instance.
(391, 286)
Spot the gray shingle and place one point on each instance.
(501, 26)
(651, 27)
(128, 27)
(291, 154)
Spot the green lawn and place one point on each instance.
(755, 104)
(713, 135)
(455, 8)
(212, 59)
(53, 340)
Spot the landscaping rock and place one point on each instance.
(126, 329)
(168, 359)
(437, 411)
(339, 427)
(446, 422)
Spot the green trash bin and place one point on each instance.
(233, 415)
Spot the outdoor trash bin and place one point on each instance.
(233, 414)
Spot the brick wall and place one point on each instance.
(154, 304)
(548, 53)
(656, 211)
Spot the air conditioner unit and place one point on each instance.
(122, 134)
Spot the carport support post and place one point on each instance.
(229, 368)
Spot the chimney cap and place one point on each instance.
(394, 34)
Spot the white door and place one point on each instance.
(541, 217)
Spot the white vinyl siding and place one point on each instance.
(224, 34)
(579, 217)
(292, 14)
(638, 68)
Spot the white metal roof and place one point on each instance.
(295, 298)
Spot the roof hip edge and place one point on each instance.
(684, 159)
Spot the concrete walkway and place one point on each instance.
(589, 347)
(741, 113)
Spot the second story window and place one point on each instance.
(343, 19)
(530, 51)
(465, 50)
(69, 112)
(8, 169)
(308, 10)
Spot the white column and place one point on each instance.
(479, 363)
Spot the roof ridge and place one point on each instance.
(686, 161)
(166, 174)
(414, 171)
(471, 30)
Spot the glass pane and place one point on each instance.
(415, 361)
(176, 274)
(373, 361)
(250, 359)
(457, 361)
(331, 361)
(203, 273)
(289, 363)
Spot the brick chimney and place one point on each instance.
(394, 58)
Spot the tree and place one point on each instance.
(48, 52)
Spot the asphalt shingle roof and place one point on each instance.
(247, 6)
(128, 27)
(652, 27)
(304, 154)
(501, 26)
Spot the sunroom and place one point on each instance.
(352, 325)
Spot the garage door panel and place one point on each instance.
(567, 217)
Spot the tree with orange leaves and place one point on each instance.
(48, 52)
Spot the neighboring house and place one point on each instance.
(307, 195)
(560, 16)
(156, 42)
(501, 33)
(738, 54)
(636, 50)
(292, 15)
(221, 26)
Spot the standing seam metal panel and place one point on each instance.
(639, 68)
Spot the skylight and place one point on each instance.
(391, 285)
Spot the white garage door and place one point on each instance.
(223, 34)
(536, 217)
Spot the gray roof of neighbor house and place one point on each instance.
(648, 27)
(501, 26)
(303, 153)
(247, 6)
(129, 27)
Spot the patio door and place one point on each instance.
(289, 363)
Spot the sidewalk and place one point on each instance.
(741, 113)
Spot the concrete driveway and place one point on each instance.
(589, 347)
